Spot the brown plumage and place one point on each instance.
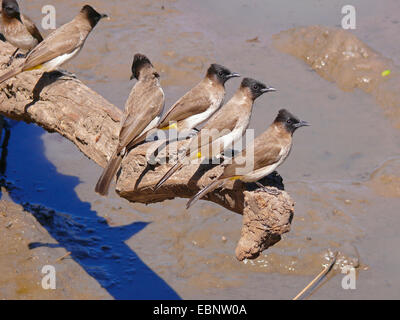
(60, 46)
(142, 112)
(262, 157)
(17, 28)
(197, 105)
(224, 128)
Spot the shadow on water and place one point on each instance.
(34, 182)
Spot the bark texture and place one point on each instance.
(59, 102)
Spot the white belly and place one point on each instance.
(223, 143)
(227, 141)
(260, 173)
(60, 60)
(152, 124)
(195, 120)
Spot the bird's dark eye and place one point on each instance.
(289, 121)
(220, 73)
(255, 87)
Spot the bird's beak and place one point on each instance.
(105, 16)
(19, 17)
(132, 77)
(302, 124)
(233, 75)
(268, 89)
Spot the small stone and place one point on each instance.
(253, 40)
(347, 201)
(224, 239)
(8, 225)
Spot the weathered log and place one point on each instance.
(59, 102)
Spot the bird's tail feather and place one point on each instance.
(9, 74)
(108, 174)
(211, 187)
(169, 174)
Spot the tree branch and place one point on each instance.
(61, 103)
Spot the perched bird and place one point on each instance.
(18, 29)
(224, 128)
(197, 105)
(262, 157)
(142, 113)
(60, 46)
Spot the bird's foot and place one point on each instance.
(220, 159)
(191, 133)
(9, 63)
(66, 74)
(21, 55)
(273, 192)
(15, 55)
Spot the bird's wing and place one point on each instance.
(31, 27)
(226, 118)
(221, 123)
(194, 102)
(266, 153)
(64, 40)
(144, 104)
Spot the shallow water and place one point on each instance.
(343, 171)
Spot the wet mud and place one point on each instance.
(21, 265)
(339, 56)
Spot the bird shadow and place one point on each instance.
(34, 183)
(201, 170)
(149, 167)
(272, 180)
(46, 79)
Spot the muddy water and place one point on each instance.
(343, 172)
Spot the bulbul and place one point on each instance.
(18, 29)
(270, 150)
(60, 46)
(197, 105)
(224, 128)
(142, 113)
